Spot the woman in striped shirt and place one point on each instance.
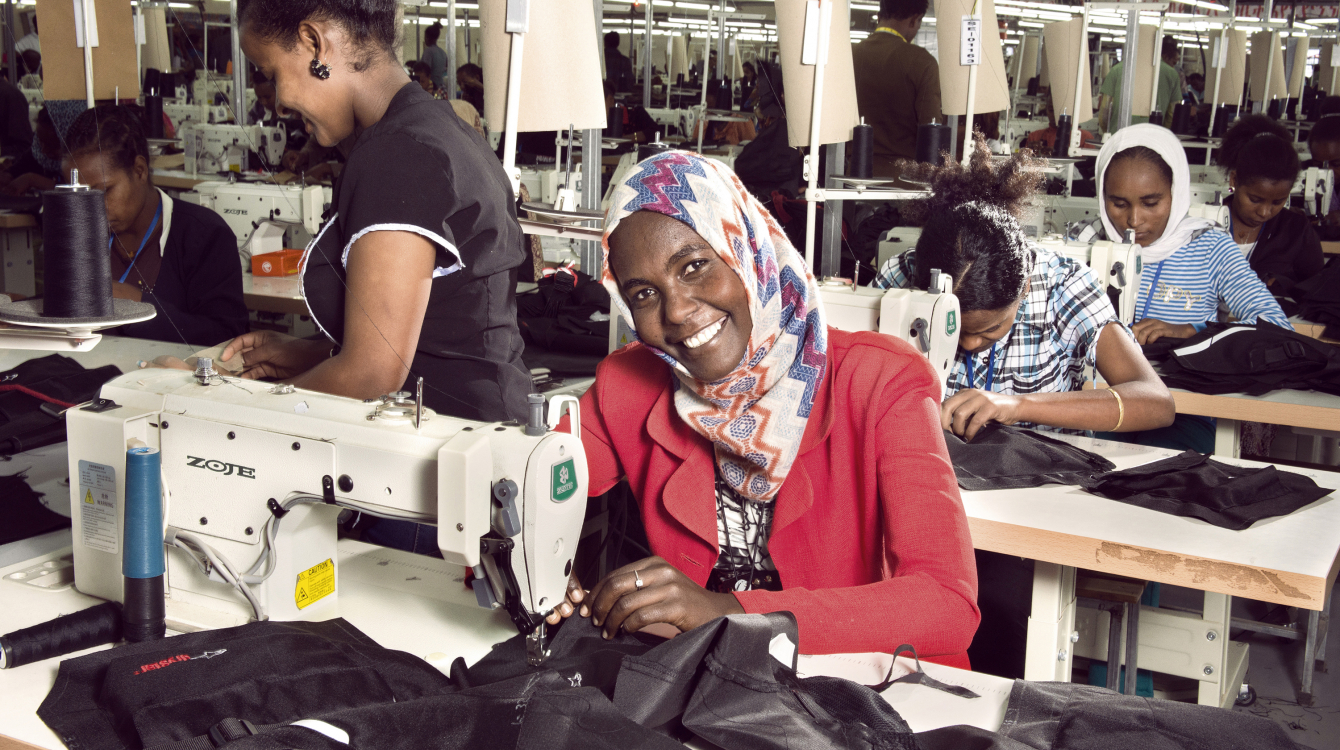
(1190, 266)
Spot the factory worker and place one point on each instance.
(1280, 245)
(1032, 321)
(414, 272)
(777, 464)
(177, 256)
(1192, 269)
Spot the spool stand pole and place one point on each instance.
(1082, 87)
(449, 81)
(517, 24)
(1128, 66)
(646, 62)
(816, 117)
(88, 53)
(239, 72)
(972, 100)
(1158, 58)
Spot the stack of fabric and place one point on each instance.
(1252, 359)
(1318, 299)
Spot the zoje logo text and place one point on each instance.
(221, 467)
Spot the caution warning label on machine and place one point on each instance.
(98, 526)
(315, 583)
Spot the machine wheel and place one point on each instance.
(1246, 697)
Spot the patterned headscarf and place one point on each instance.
(756, 416)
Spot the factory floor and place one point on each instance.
(1275, 670)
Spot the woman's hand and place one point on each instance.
(968, 411)
(666, 595)
(1150, 330)
(19, 185)
(571, 602)
(269, 354)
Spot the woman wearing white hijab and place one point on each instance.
(1191, 266)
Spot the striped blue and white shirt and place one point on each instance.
(1054, 336)
(1190, 284)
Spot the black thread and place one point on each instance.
(78, 264)
(64, 635)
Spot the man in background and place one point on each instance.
(1170, 91)
(618, 68)
(897, 83)
(435, 56)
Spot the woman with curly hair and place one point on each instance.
(1032, 320)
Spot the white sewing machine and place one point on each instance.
(260, 213)
(255, 476)
(180, 113)
(1117, 264)
(928, 320)
(223, 148)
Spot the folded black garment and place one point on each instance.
(1066, 716)
(1004, 457)
(1192, 484)
(54, 381)
(25, 515)
(1318, 298)
(1252, 359)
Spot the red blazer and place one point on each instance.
(869, 535)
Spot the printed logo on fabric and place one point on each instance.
(179, 658)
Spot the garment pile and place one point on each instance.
(1190, 484)
(730, 683)
(1318, 299)
(1252, 359)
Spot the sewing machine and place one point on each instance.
(928, 320)
(256, 475)
(260, 213)
(180, 113)
(214, 148)
(1117, 264)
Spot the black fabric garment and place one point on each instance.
(1003, 457)
(25, 515)
(555, 321)
(1287, 251)
(1066, 716)
(1005, 599)
(1252, 359)
(1191, 484)
(422, 169)
(198, 291)
(1318, 298)
(24, 424)
(155, 692)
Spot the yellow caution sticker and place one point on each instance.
(88, 496)
(315, 583)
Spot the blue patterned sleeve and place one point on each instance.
(1240, 288)
(897, 272)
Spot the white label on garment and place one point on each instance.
(970, 42)
(98, 525)
(783, 650)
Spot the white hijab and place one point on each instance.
(1180, 228)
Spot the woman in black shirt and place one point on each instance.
(177, 256)
(414, 273)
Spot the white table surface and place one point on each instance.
(1290, 559)
(420, 605)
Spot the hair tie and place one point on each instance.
(1329, 114)
(1267, 132)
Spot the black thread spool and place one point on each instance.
(153, 115)
(1155, 118)
(64, 635)
(1276, 109)
(1223, 118)
(1033, 86)
(1181, 119)
(725, 95)
(932, 143)
(614, 122)
(74, 243)
(648, 150)
(863, 151)
(1061, 148)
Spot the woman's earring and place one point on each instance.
(320, 69)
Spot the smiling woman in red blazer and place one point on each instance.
(778, 464)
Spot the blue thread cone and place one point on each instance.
(142, 547)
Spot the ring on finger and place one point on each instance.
(637, 580)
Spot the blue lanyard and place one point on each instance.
(1153, 289)
(990, 368)
(153, 225)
